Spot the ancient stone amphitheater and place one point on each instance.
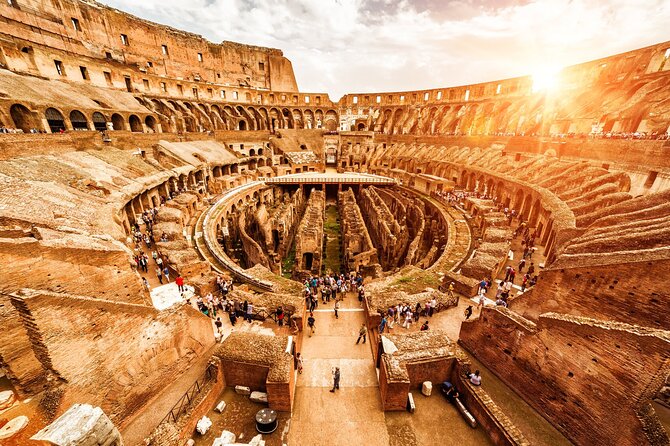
(117, 132)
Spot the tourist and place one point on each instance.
(482, 301)
(362, 333)
(250, 311)
(433, 305)
(233, 317)
(280, 316)
(531, 269)
(424, 327)
(310, 323)
(382, 325)
(468, 312)
(389, 323)
(337, 307)
(159, 274)
(219, 326)
(180, 283)
(298, 358)
(475, 378)
(449, 391)
(361, 294)
(417, 309)
(450, 290)
(145, 284)
(408, 319)
(336, 380)
(166, 274)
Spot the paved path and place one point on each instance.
(353, 414)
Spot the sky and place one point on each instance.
(353, 46)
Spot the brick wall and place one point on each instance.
(243, 374)
(627, 292)
(579, 373)
(81, 338)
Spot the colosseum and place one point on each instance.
(196, 252)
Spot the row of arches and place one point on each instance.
(505, 117)
(185, 116)
(53, 120)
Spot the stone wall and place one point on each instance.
(77, 340)
(356, 243)
(309, 237)
(631, 292)
(579, 373)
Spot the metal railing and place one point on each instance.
(186, 400)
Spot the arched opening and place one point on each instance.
(243, 125)
(360, 127)
(99, 122)
(22, 117)
(55, 120)
(260, 151)
(117, 122)
(252, 152)
(150, 122)
(78, 120)
(135, 124)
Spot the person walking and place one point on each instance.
(159, 274)
(180, 283)
(310, 323)
(219, 326)
(336, 380)
(166, 274)
(468, 312)
(362, 333)
(250, 311)
(145, 284)
(337, 307)
(300, 363)
(408, 319)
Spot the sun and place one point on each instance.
(546, 79)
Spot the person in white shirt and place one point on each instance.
(475, 378)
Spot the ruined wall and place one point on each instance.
(309, 237)
(389, 236)
(99, 30)
(512, 106)
(631, 292)
(579, 373)
(79, 337)
(101, 269)
(357, 246)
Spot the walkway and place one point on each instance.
(353, 414)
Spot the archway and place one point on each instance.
(78, 120)
(360, 127)
(150, 122)
(242, 125)
(99, 122)
(55, 120)
(22, 117)
(117, 122)
(135, 124)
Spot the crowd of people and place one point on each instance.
(406, 314)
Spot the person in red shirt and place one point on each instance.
(180, 283)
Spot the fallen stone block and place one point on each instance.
(7, 398)
(259, 397)
(203, 425)
(225, 439)
(427, 388)
(257, 441)
(220, 407)
(242, 390)
(14, 426)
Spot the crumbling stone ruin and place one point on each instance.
(108, 136)
(309, 237)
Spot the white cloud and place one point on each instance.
(340, 46)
